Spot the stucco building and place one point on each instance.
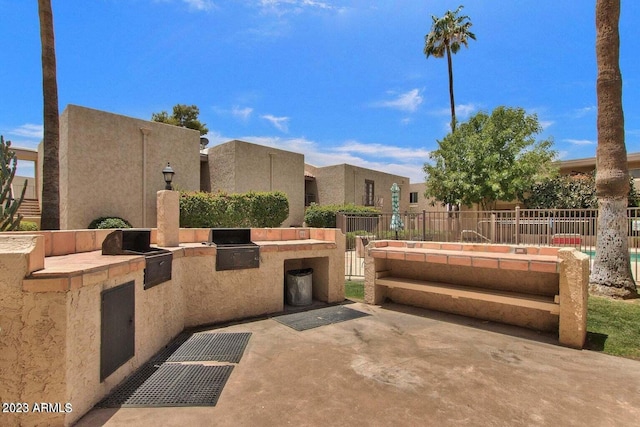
(344, 183)
(239, 167)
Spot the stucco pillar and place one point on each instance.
(168, 218)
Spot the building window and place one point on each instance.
(369, 196)
(634, 173)
(413, 197)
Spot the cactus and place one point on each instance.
(9, 217)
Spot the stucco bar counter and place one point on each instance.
(52, 291)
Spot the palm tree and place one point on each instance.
(446, 36)
(51, 165)
(611, 274)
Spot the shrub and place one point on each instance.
(325, 216)
(109, 222)
(253, 209)
(27, 226)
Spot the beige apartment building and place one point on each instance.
(343, 184)
(111, 165)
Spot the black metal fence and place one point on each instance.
(542, 227)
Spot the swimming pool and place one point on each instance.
(635, 256)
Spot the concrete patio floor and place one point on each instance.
(407, 367)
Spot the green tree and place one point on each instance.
(184, 116)
(9, 216)
(569, 192)
(51, 141)
(447, 35)
(489, 158)
(611, 273)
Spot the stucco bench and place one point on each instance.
(539, 288)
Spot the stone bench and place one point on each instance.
(539, 288)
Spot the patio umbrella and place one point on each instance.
(396, 222)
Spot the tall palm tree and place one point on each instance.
(611, 273)
(51, 165)
(446, 36)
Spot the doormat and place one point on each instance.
(170, 384)
(320, 317)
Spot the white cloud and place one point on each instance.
(390, 159)
(283, 7)
(546, 124)
(281, 123)
(580, 141)
(405, 121)
(241, 113)
(408, 101)
(204, 5)
(463, 111)
(581, 112)
(388, 151)
(28, 130)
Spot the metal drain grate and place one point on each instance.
(320, 317)
(218, 347)
(171, 385)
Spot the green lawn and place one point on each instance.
(354, 290)
(613, 326)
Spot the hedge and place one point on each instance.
(106, 222)
(222, 210)
(325, 216)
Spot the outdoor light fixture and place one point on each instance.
(168, 176)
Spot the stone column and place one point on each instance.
(168, 218)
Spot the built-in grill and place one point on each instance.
(136, 241)
(234, 248)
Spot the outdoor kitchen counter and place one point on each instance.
(73, 271)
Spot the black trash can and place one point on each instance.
(299, 287)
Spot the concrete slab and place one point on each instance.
(406, 366)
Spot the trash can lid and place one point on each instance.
(300, 272)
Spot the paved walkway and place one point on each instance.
(407, 367)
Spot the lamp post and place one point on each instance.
(168, 176)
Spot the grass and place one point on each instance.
(354, 290)
(613, 326)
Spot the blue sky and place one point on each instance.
(340, 81)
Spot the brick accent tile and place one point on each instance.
(395, 255)
(429, 245)
(86, 241)
(100, 236)
(473, 247)
(75, 282)
(532, 251)
(187, 235)
(274, 234)
(288, 234)
(508, 264)
(304, 247)
(459, 260)
(258, 234)
(317, 233)
(63, 242)
(94, 277)
(484, 262)
(380, 244)
(330, 234)
(415, 256)
(378, 254)
(48, 243)
(202, 234)
(451, 247)
(268, 248)
(60, 284)
(137, 265)
(498, 249)
(546, 250)
(199, 251)
(35, 259)
(542, 266)
(396, 244)
(436, 259)
(153, 236)
(119, 270)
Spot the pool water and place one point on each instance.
(635, 256)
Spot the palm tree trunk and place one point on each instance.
(51, 165)
(611, 273)
(453, 104)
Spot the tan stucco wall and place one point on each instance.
(239, 167)
(423, 202)
(343, 184)
(103, 169)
